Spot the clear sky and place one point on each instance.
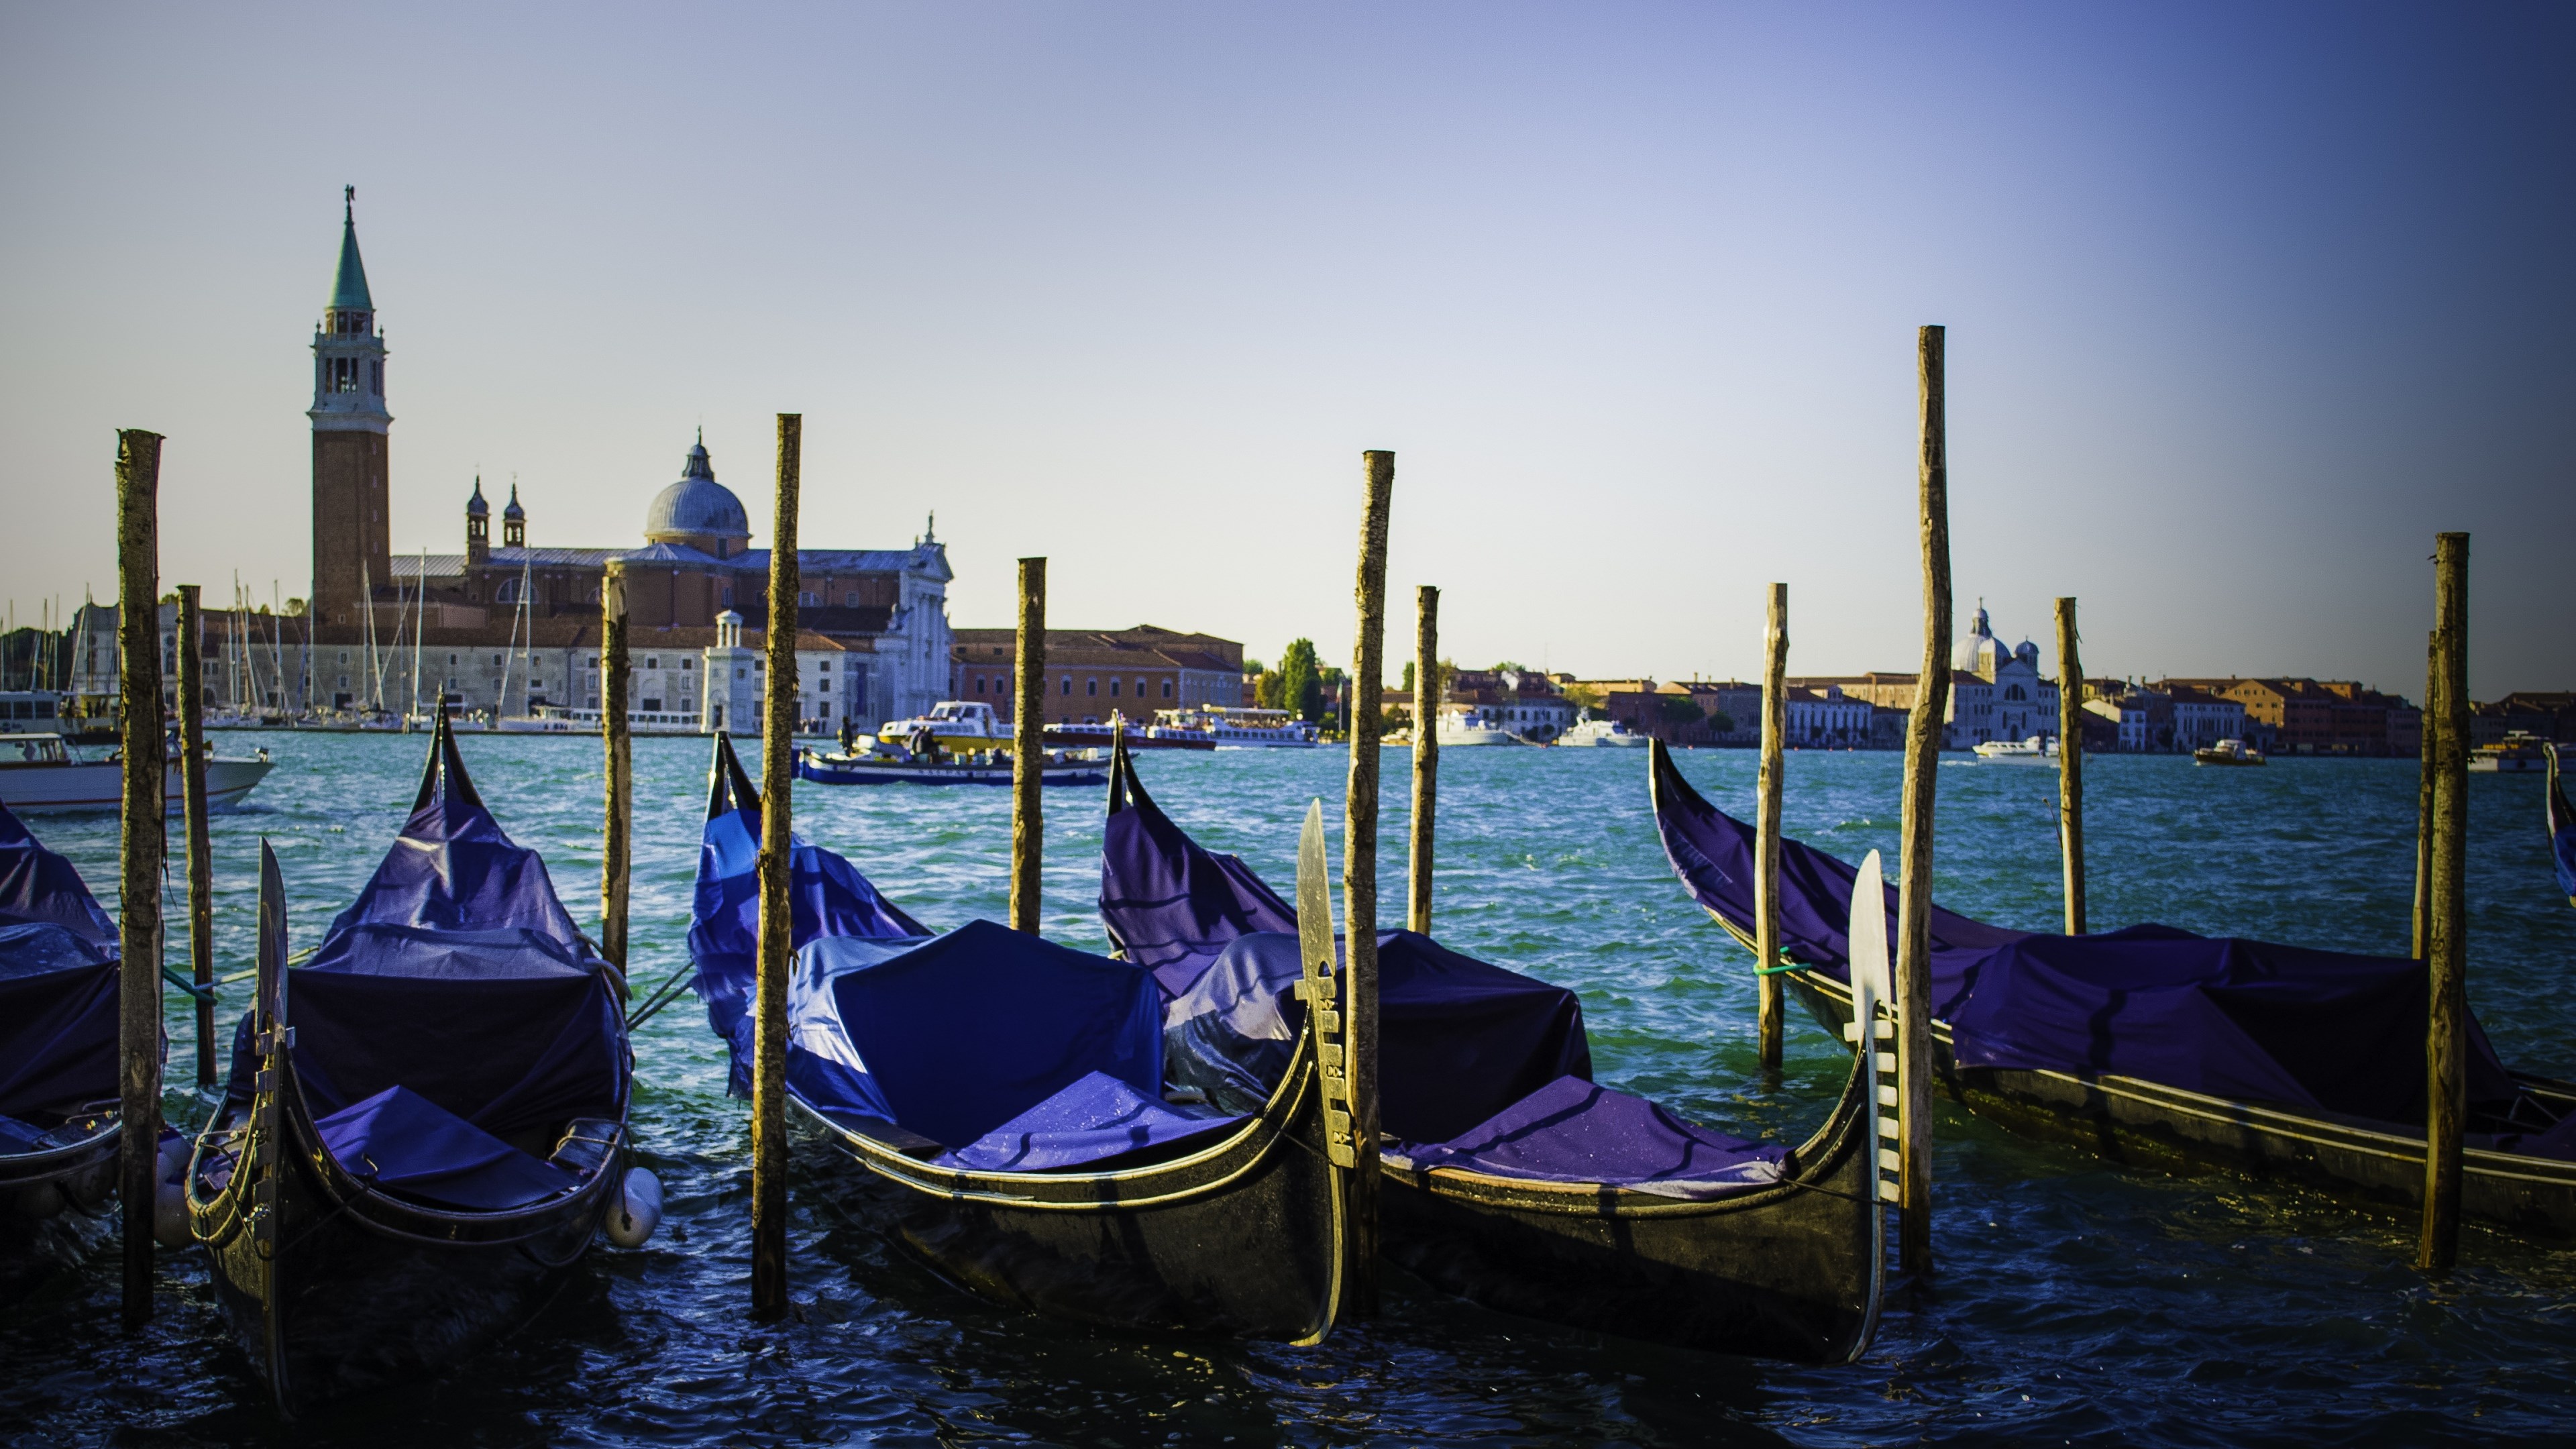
(2245, 302)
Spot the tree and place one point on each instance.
(1722, 723)
(1407, 686)
(1301, 681)
(1265, 690)
(1679, 710)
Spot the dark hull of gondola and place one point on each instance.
(2146, 1124)
(1790, 1271)
(1239, 1237)
(57, 1204)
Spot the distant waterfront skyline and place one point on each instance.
(2243, 307)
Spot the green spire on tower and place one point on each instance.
(349, 291)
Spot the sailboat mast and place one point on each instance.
(367, 595)
(420, 624)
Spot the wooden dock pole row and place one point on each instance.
(777, 924)
(2070, 764)
(1426, 755)
(191, 649)
(1922, 771)
(2446, 956)
(144, 847)
(1028, 747)
(1359, 882)
(2424, 796)
(1766, 813)
(617, 842)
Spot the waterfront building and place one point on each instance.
(1094, 673)
(2316, 717)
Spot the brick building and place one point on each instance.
(1092, 673)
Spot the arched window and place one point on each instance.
(1068, 684)
(1113, 689)
(2013, 691)
(1090, 687)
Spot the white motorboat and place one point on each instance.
(41, 775)
(1459, 730)
(563, 719)
(1598, 732)
(1236, 729)
(2037, 750)
(2229, 752)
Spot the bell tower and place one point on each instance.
(352, 527)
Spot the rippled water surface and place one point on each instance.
(2072, 1302)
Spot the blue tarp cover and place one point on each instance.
(1572, 1130)
(2250, 1020)
(1095, 1118)
(1170, 904)
(58, 986)
(459, 978)
(401, 1140)
(2562, 830)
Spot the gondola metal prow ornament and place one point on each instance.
(1874, 1003)
(1317, 987)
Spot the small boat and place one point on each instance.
(1002, 1095)
(2562, 830)
(2517, 753)
(2227, 752)
(58, 1063)
(2161, 1048)
(41, 775)
(1459, 729)
(1510, 1177)
(1600, 732)
(2038, 749)
(425, 1125)
(894, 765)
(1217, 726)
(951, 724)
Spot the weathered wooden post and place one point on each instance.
(1359, 878)
(189, 649)
(1426, 753)
(1923, 730)
(777, 925)
(1766, 847)
(2424, 794)
(2446, 958)
(617, 835)
(1028, 747)
(2070, 764)
(142, 829)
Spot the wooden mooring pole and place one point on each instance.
(1766, 814)
(2424, 794)
(1923, 730)
(2446, 959)
(777, 925)
(617, 834)
(142, 829)
(190, 652)
(1359, 880)
(1426, 755)
(2070, 764)
(1028, 747)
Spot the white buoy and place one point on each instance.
(174, 1157)
(637, 1211)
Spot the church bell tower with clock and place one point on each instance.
(352, 527)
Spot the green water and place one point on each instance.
(2072, 1303)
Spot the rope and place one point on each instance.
(188, 984)
(1783, 966)
(663, 995)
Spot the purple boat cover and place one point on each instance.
(401, 1140)
(58, 986)
(2321, 1030)
(459, 978)
(2562, 830)
(1572, 1130)
(1169, 904)
(1097, 1117)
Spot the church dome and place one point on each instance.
(695, 507)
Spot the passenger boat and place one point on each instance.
(2037, 750)
(564, 719)
(1001, 1097)
(2516, 753)
(41, 775)
(1101, 736)
(1247, 728)
(1600, 732)
(2562, 830)
(426, 1124)
(1460, 729)
(2159, 1048)
(897, 766)
(2227, 752)
(58, 1063)
(951, 724)
(1511, 1178)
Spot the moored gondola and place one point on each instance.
(426, 1124)
(58, 1062)
(2562, 830)
(1003, 1095)
(1512, 1179)
(2161, 1048)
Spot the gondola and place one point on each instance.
(1512, 1179)
(2156, 1047)
(58, 1062)
(2562, 830)
(424, 1125)
(1002, 1095)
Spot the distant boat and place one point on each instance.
(39, 775)
(953, 723)
(2037, 750)
(1235, 729)
(893, 765)
(2227, 752)
(1597, 732)
(2515, 753)
(2562, 830)
(1101, 736)
(1464, 731)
